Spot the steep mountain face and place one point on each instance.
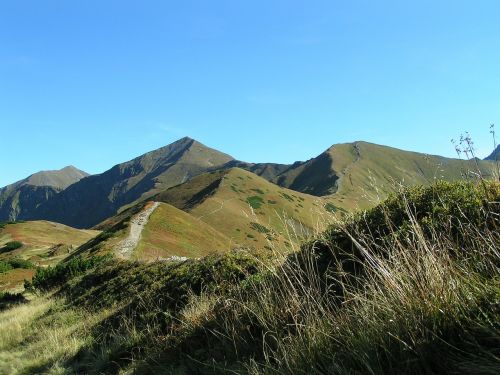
(98, 197)
(495, 155)
(21, 198)
(359, 174)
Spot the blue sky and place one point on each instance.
(94, 83)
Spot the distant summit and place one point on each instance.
(60, 179)
(98, 197)
(23, 197)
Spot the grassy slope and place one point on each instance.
(39, 237)
(247, 208)
(172, 232)
(169, 232)
(362, 174)
(426, 306)
(44, 243)
(216, 212)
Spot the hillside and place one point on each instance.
(420, 271)
(171, 232)
(247, 208)
(99, 197)
(20, 199)
(213, 212)
(360, 174)
(43, 243)
(162, 232)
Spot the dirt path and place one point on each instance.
(137, 223)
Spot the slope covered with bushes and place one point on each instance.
(409, 287)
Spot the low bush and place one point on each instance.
(51, 277)
(10, 246)
(5, 266)
(15, 263)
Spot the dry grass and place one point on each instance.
(42, 335)
(417, 304)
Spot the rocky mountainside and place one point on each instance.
(22, 198)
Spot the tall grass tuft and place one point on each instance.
(419, 297)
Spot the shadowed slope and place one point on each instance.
(23, 197)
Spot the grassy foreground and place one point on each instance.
(409, 287)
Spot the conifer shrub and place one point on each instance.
(10, 246)
(49, 278)
(10, 264)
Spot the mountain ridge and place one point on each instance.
(356, 175)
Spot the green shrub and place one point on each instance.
(287, 197)
(4, 267)
(444, 206)
(258, 191)
(12, 245)
(51, 277)
(255, 202)
(259, 228)
(330, 207)
(21, 263)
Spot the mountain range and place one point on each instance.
(351, 175)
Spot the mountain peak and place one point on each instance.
(60, 178)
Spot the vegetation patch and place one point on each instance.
(260, 228)
(258, 191)
(420, 271)
(255, 201)
(49, 278)
(7, 300)
(330, 207)
(287, 197)
(14, 264)
(10, 246)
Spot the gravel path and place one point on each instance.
(137, 223)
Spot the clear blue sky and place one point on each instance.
(93, 83)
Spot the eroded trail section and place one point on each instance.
(137, 223)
